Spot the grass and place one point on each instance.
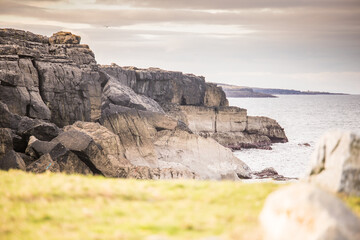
(58, 206)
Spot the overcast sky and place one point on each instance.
(296, 44)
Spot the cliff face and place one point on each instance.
(200, 105)
(168, 86)
(60, 111)
(54, 79)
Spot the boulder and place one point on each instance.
(5, 141)
(96, 146)
(64, 38)
(11, 160)
(303, 211)
(37, 148)
(68, 161)
(335, 164)
(34, 127)
(43, 164)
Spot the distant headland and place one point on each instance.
(250, 92)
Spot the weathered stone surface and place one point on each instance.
(335, 163)
(156, 141)
(214, 96)
(41, 130)
(44, 163)
(161, 85)
(5, 141)
(302, 211)
(37, 148)
(230, 126)
(68, 161)
(116, 93)
(11, 160)
(267, 127)
(64, 38)
(96, 146)
(43, 80)
(8, 119)
(203, 156)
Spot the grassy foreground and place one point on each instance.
(58, 206)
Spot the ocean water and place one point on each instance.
(305, 119)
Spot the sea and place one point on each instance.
(305, 118)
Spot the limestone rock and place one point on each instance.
(58, 82)
(96, 146)
(155, 140)
(161, 85)
(64, 38)
(214, 96)
(11, 160)
(335, 163)
(203, 156)
(43, 164)
(302, 211)
(8, 119)
(267, 127)
(118, 94)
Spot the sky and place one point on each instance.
(292, 44)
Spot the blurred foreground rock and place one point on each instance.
(335, 164)
(303, 211)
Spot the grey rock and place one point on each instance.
(116, 93)
(68, 161)
(6, 143)
(335, 164)
(303, 211)
(37, 148)
(96, 146)
(54, 79)
(266, 126)
(11, 160)
(43, 164)
(8, 119)
(34, 127)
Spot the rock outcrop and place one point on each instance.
(60, 111)
(335, 164)
(159, 141)
(303, 211)
(46, 79)
(202, 106)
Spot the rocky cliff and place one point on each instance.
(200, 105)
(61, 111)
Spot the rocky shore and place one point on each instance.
(61, 111)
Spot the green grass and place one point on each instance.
(58, 206)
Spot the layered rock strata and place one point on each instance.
(54, 80)
(60, 112)
(202, 106)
